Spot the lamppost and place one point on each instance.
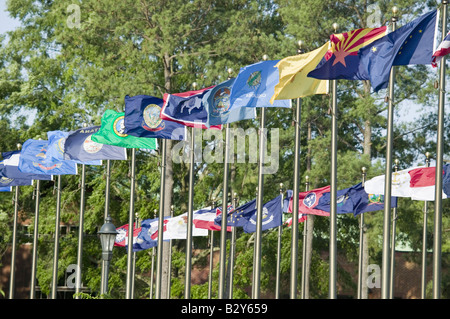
(107, 234)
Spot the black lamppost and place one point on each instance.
(107, 234)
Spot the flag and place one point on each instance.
(293, 73)
(238, 217)
(8, 182)
(354, 200)
(442, 50)
(176, 228)
(33, 159)
(220, 110)
(112, 132)
(5, 189)
(410, 44)
(122, 236)
(187, 108)
(255, 85)
(56, 147)
(79, 146)
(446, 180)
(142, 119)
(309, 200)
(9, 168)
(341, 61)
(286, 213)
(271, 216)
(423, 183)
(204, 218)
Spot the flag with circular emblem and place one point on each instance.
(112, 132)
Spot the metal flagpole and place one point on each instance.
(232, 251)
(385, 268)
(437, 245)
(280, 231)
(254, 249)
(35, 241)
(133, 269)
(305, 230)
(223, 229)
(394, 226)
(333, 189)
(12, 278)
(294, 244)
(161, 221)
(80, 233)
(211, 250)
(152, 273)
(57, 232)
(259, 211)
(361, 243)
(424, 240)
(128, 293)
(106, 214)
(187, 290)
(169, 270)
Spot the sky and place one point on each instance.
(6, 22)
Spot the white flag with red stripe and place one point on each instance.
(442, 50)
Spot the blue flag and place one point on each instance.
(354, 200)
(238, 217)
(272, 216)
(80, 147)
(5, 189)
(255, 85)
(411, 44)
(56, 147)
(8, 182)
(446, 180)
(187, 108)
(147, 237)
(142, 119)
(11, 168)
(220, 111)
(33, 159)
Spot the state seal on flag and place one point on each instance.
(254, 80)
(119, 126)
(90, 146)
(310, 200)
(221, 102)
(5, 180)
(152, 121)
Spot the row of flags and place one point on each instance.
(417, 183)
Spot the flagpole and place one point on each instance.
(57, 232)
(187, 290)
(135, 226)
(294, 244)
(333, 190)
(280, 230)
(361, 243)
(161, 220)
(35, 241)
(424, 240)
(211, 257)
(394, 226)
(385, 267)
(169, 270)
(232, 251)
(128, 292)
(437, 245)
(223, 229)
(12, 279)
(106, 214)
(305, 229)
(80, 233)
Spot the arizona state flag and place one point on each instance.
(342, 60)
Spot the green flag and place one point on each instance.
(112, 133)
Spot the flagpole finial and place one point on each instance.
(265, 57)
(396, 161)
(300, 49)
(19, 146)
(394, 12)
(335, 26)
(194, 85)
(307, 178)
(427, 154)
(363, 169)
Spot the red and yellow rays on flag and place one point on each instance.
(349, 43)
